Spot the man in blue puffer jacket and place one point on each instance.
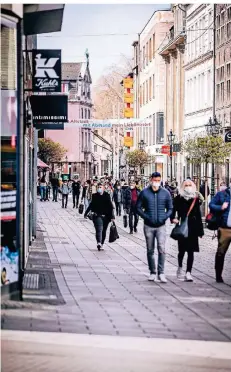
(220, 205)
(155, 207)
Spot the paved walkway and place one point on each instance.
(107, 292)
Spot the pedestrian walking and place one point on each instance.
(220, 206)
(108, 189)
(87, 194)
(222, 186)
(154, 205)
(188, 202)
(202, 189)
(131, 195)
(102, 209)
(94, 186)
(43, 188)
(172, 188)
(76, 188)
(55, 187)
(65, 192)
(118, 199)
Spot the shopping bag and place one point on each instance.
(180, 230)
(113, 235)
(125, 220)
(81, 207)
(212, 222)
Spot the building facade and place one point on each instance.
(149, 89)
(80, 159)
(172, 53)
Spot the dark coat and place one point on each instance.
(181, 207)
(101, 205)
(118, 196)
(76, 186)
(127, 197)
(155, 207)
(216, 204)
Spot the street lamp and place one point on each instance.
(213, 129)
(171, 139)
(141, 145)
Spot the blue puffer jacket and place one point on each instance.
(155, 207)
(215, 206)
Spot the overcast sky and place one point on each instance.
(90, 20)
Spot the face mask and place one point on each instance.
(100, 191)
(155, 184)
(188, 189)
(222, 188)
(118, 187)
(132, 187)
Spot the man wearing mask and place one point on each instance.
(76, 187)
(102, 209)
(130, 199)
(220, 206)
(155, 207)
(117, 197)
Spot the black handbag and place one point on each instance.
(125, 220)
(113, 235)
(180, 231)
(81, 207)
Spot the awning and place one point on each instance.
(42, 18)
(41, 164)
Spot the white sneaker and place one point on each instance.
(162, 278)
(179, 273)
(188, 277)
(102, 248)
(152, 277)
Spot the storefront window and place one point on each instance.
(9, 249)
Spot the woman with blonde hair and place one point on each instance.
(186, 200)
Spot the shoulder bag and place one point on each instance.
(181, 230)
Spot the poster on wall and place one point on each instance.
(9, 249)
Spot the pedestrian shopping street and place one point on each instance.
(70, 286)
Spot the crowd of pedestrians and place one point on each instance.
(103, 200)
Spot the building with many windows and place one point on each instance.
(173, 54)
(149, 78)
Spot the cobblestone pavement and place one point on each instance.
(107, 292)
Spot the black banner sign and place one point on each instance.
(46, 65)
(49, 109)
(228, 136)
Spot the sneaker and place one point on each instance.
(102, 248)
(162, 278)
(179, 273)
(99, 247)
(152, 277)
(188, 277)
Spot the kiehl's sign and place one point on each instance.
(46, 70)
(49, 109)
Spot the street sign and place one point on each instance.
(228, 136)
(165, 149)
(128, 83)
(176, 147)
(46, 70)
(128, 112)
(49, 109)
(128, 141)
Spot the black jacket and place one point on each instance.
(116, 197)
(54, 182)
(181, 207)
(76, 186)
(101, 205)
(127, 201)
(155, 207)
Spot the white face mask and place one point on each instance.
(156, 184)
(188, 189)
(222, 188)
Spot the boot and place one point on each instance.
(219, 264)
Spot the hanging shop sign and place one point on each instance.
(128, 83)
(128, 141)
(47, 110)
(128, 112)
(176, 147)
(228, 136)
(128, 97)
(46, 70)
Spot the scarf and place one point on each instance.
(188, 195)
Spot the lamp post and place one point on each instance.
(213, 129)
(171, 139)
(141, 146)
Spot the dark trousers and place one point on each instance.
(55, 193)
(64, 199)
(190, 259)
(75, 199)
(133, 218)
(101, 225)
(118, 208)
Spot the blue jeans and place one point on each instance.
(158, 233)
(43, 190)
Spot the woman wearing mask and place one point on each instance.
(102, 209)
(87, 194)
(109, 190)
(181, 205)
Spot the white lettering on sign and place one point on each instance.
(45, 83)
(45, 67)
